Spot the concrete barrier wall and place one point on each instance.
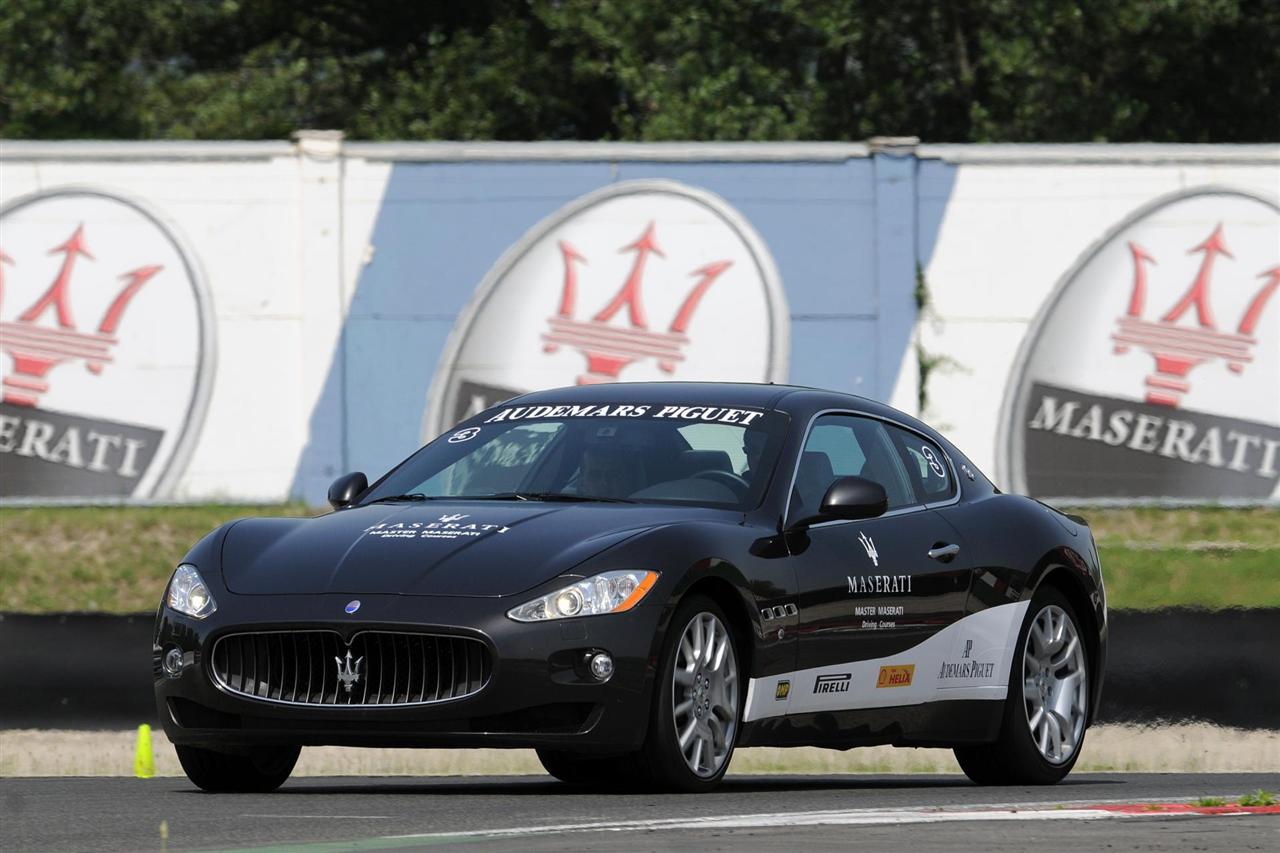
(87, 671)
(195, 321)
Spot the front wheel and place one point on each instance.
(698, 702)
(1047, 709)
(258, 772)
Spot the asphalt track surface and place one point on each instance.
(534, 813)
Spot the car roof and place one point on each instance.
(800, 402)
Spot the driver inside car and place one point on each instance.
(608, 472)
(753, 442)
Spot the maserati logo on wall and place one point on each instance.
(1154, 369)
(642, 280)
(107, 347)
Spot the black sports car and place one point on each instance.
(636, 578)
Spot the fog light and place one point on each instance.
(173, 662)
(601, 666)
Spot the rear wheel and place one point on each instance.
(697, 706)
(250, 773)
(1047, 710)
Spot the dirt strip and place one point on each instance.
(1186, 748)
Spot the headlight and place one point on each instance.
(609, 592)
(188, 593)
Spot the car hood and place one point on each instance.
(460, 548)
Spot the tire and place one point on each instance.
(263, 770)
(711, 681)
(1020, 756)
(586, 770)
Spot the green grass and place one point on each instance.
(117, 559)
(1211, 557)
(1209, 802)
(101, 559)
(1139, 579)
(1258, 798)
(1193, 526)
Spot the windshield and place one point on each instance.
(701, 455)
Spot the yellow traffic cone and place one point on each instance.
(144, 764)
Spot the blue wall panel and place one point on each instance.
(834, 353)
(846, 237)
(816, 219)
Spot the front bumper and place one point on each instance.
(539, 694)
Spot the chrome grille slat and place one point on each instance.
(396, 669)
(439, 667)
(293, 643)
(338, 690)
(402, 644)
(253, 657)
(479, 667)
(364, 692)
(320, 666)
(310, 669)
(408, 668)
(284, 674)
(240, 660)
(337, 685)
(267, 682)
(377, 697)
(452, 660)
(421, 652)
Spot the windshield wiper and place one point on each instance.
(548, 496)
(415, 496)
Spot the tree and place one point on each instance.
(965, 70)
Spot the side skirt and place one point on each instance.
(935, 724)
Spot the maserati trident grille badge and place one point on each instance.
(349, 672)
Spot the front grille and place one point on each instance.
(312, 668)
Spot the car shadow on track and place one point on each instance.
(541, 786)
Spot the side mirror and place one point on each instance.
(854, 497)
(347, 488)
(849, 498)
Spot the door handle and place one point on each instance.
(944, 553)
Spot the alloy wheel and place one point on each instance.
(705, 695)
(1055, 688)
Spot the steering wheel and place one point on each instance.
(736, 484)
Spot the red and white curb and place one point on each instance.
(875, 817)
(1157, 809)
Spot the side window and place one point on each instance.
(848, 446)
(927, 466)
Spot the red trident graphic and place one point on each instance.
(1177, 349)
(38, 349)
(608, 349)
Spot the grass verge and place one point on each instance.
(1188, 748)
(102, 559)
(117, 559)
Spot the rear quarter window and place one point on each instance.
(927, 466)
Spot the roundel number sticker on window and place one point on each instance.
(464, 435)
(931, 458)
